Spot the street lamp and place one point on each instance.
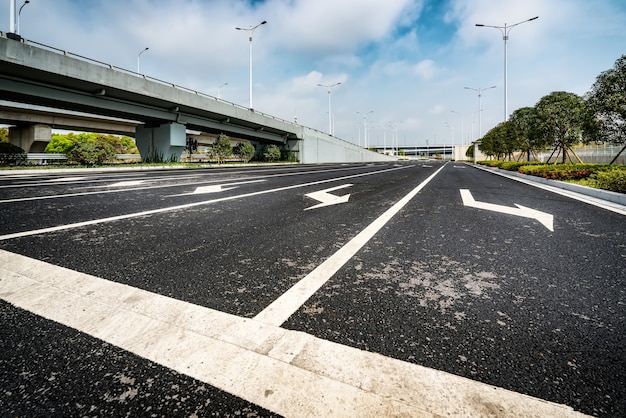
(330, 123)
(505, 36)
(17, 30)
(220, 88)
(139, 56)
(251, 29)
(365, 127)
(480, 109)
(462, 128)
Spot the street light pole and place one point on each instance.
(365, 127)
(251, 29)
(219, 88)
(17, 29)
(480, 108)
(462, 128)
(505, 36)
(330, 120)
(139, 56)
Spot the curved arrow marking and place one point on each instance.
(328, 199)
(546, 219)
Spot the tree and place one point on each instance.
(222, 148)
(91, 153)
(4, 135)
(60, 144)
(524, 131)
(499, 141)
(245, 150)
(271, 153)
(607, 104)
(561, 118)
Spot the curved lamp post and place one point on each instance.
(17, 29)
(480, 109)
(139, 56)
(220, 88)
(330, 120)
(505, 36)
(251, 29)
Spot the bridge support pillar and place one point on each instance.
(31, 138)
(161, 143)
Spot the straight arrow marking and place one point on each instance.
(328, 199)
(546, 219)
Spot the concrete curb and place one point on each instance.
(606, 195)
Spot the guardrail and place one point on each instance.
(124, 70)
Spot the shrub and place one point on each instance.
(561, 171)
(245, 150)
(613, 180)
(11, 154)
(91, 153)
(271, 153)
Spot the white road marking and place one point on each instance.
(64, 179)
(288, 372)
(128, 183)
(289, 302)
(180, 207)
(544, 218)
(328, 199)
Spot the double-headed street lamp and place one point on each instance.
(251, 29)
(480, 108)
(139, 57)
(505, 36)
(330, 120)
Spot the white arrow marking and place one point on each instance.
(546, 219)
(328, 199)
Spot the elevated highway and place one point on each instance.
(38, 74)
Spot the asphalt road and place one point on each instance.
(403, 268)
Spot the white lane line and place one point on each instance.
(25, 199)
(185, 206)
(288, 372)
(289, 302)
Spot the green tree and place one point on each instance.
(222, 148)
(524, 131)
(245, 150)
(607, 105)
(4, 135)
(91, 153)
(271, 153)
(561, 117)
(499, 141)
(60, 144)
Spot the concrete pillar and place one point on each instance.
(161, 143)
(31, 138)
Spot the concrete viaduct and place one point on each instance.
(36, 74)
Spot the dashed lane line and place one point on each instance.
(288, 372)
(185, 206)
(289, 302)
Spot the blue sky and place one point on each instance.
(406, 61)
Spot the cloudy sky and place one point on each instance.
(405, 61)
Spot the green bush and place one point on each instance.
(613, 180)
(271, 153)
(561, 171)
(11, 154)
(91, 153)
